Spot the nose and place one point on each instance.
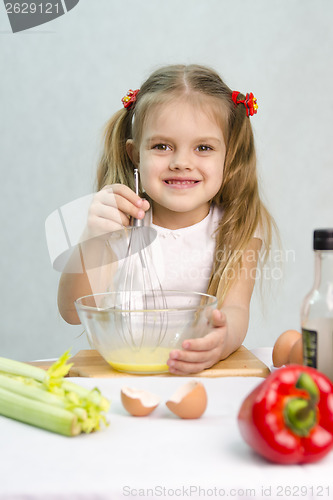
(180, 161)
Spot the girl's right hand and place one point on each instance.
(111, 210)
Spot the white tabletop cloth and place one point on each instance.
(159, 456)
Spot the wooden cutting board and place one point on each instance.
(242, 363)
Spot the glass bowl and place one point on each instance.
(135, 331)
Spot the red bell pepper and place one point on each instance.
(288, 418)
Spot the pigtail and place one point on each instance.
(239, 190)
(115, 166)
(243, 210)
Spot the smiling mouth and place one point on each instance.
(180, 182)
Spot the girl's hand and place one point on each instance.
(111, 210)
(199, 354)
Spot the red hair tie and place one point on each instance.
(250, 102)
(130, 98)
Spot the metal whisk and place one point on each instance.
(144, 319)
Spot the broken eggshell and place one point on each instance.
(137, 402)
(189, 401)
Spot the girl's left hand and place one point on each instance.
(199, 354)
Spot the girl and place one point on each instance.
(190, 137)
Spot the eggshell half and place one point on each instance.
(296, 353)
(137, 402)
(283, 346)
(189, 401)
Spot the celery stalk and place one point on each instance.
(93, 395)
(27, 390)
(38, 414)
(45, 399)
(57, 370)
(38, 393)
(22, 369)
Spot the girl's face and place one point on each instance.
(181, 160)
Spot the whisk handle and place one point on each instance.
(136, 180)
(136, 222)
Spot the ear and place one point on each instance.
(132, 152)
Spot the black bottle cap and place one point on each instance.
(323, 239)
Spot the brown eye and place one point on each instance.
(160, 147)
(204, 148)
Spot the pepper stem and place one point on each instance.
(306, 382)
(301, 413)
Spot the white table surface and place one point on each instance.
(159, 456)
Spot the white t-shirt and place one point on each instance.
(177, 259)
(182, 258)
(186, 255)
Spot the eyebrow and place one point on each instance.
(161, 138)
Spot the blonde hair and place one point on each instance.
(243, 210)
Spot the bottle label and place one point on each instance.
(310, 347)
(318, 345)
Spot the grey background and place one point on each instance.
(59, 84)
